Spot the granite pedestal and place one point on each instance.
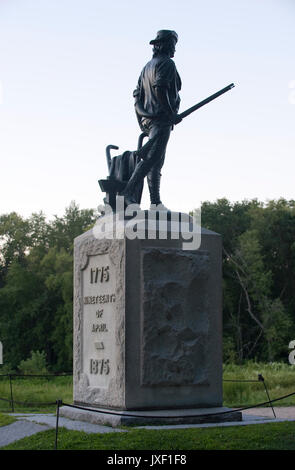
(147, 326)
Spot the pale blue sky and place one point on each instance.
(67, 72)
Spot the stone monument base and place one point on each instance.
(148, 322)
(144, 418)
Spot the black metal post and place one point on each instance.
(261, 379)
(11, 394)
(58, 404)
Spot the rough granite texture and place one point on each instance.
(175, 317)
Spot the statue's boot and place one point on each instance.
(159, 207)
(154, 179)
(141, 170)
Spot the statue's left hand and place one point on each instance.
(177, 119)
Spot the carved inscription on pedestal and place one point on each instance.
(98, 320)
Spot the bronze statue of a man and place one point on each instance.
(156, 104)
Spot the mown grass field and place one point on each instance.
(6, 419)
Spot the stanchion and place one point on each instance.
(58, 404)
(11, 394)
(261, 379)
(14, 402)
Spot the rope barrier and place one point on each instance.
(37, 375)
(259, 379)
(28, 403)
(5, 399)
(60, 402)
(12, 401)
(36, 403)
(180, 416)
(237, 380)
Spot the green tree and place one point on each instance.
(258, 275)
(64, 229)
(36, 268)
(266, 314)
(57, 267)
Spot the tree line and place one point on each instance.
(36, 280)
(36, 285)
(258, 276)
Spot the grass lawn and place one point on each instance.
(279, 378)
(272, 436)
(6, 419)
(39, 390)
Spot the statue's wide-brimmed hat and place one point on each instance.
(164, 35)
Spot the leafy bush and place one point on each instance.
(229, 353)
(7, 368)
(36, 364)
